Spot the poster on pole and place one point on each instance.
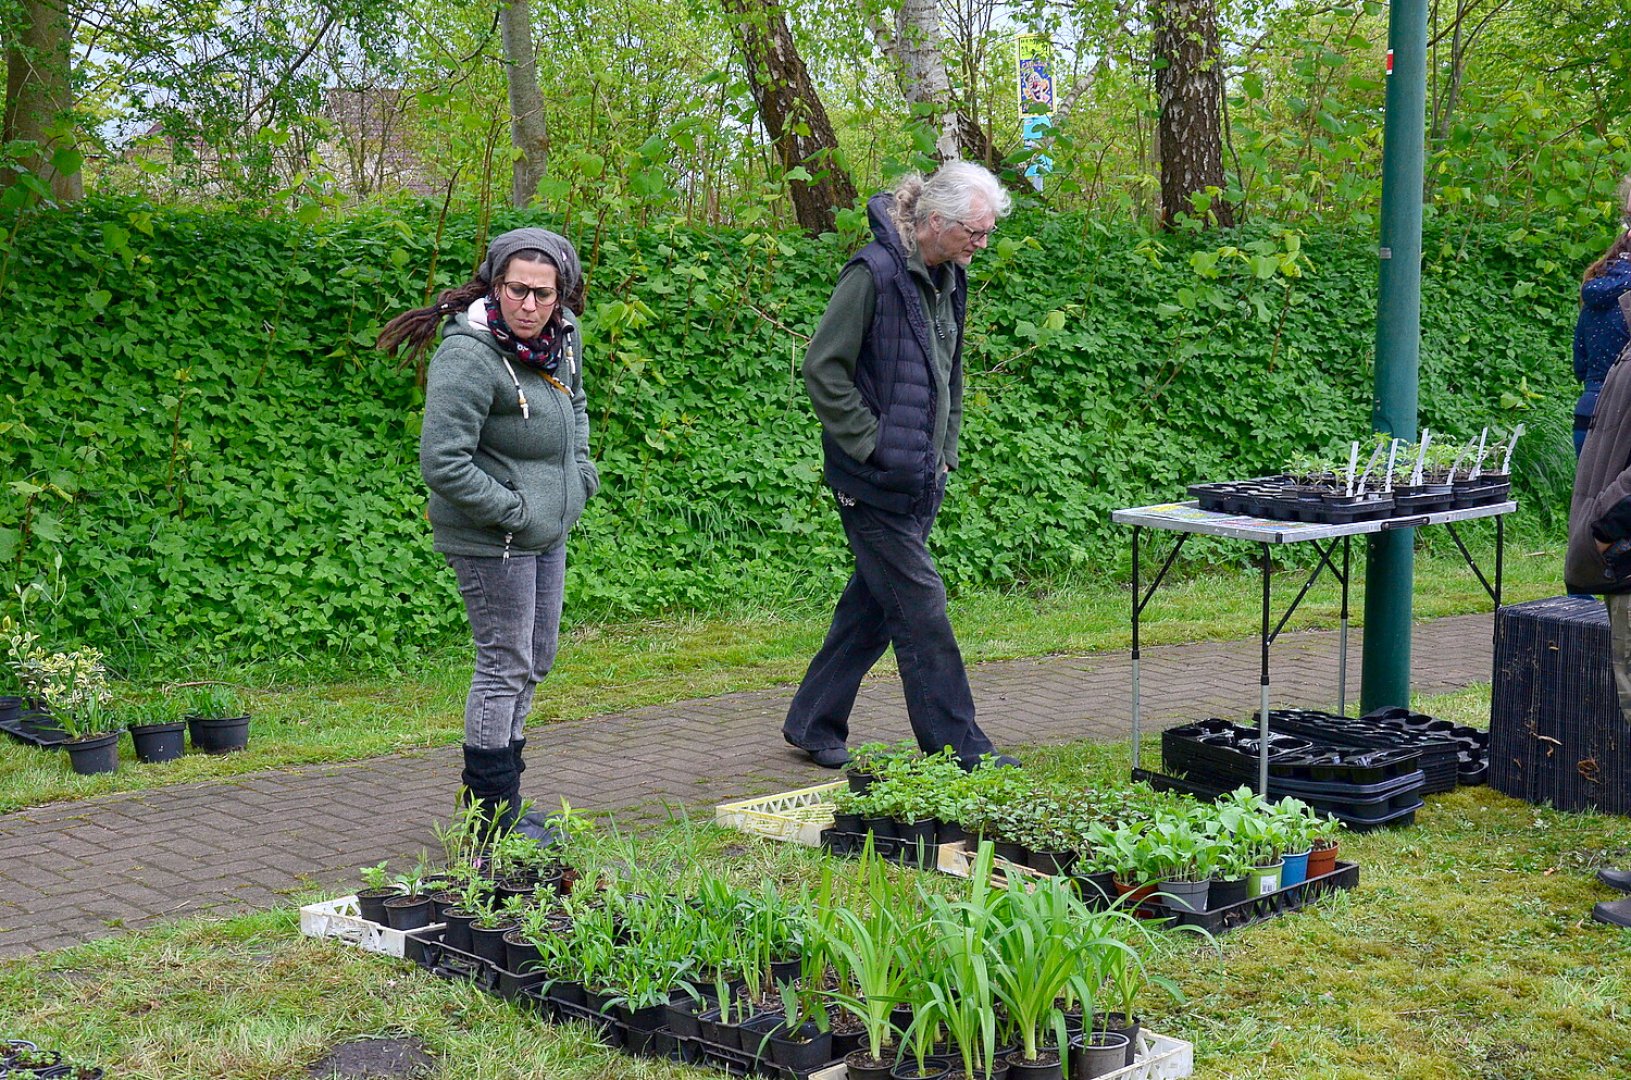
(1034, 53)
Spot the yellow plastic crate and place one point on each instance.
(796, 817)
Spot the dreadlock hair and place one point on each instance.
(1622, 242)
(418, 328)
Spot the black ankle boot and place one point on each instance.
(491, 779)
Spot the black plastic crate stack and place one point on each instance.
(1362, 788)
(1556, 733)
(1441, 743)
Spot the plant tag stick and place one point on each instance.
(1506, 462)
(1459, 458)
(1392, 453)
(1478, 462)
(1353, 462)
(1376, 455)
(1421, 456)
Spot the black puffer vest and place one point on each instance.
(895, 376)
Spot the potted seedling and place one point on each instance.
(870, 937)
(1298, 821)
(74, 686)
(1181, 858)
(1040, 957)
(155, 731)
(376, 889)
(410, 908)
(1322, 856)
(216, 719)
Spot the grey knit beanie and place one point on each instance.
(556, 247)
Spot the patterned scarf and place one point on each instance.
(542, 353)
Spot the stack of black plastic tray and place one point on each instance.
(1362, 788)
(1282, 498)
(1442, 744)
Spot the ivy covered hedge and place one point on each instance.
(193, 417)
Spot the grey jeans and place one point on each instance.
(514, 606)
(1619, 647)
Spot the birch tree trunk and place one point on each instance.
(1189, 88)
(792, 113)
(39, 93)
(913, 48)
(529, 130)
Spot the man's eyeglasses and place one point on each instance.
(518, 293)
(976, 234)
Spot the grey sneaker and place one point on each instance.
(1616, 879)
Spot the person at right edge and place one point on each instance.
(1599, 553)
(885, 375)
(1600, 333)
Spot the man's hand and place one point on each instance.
(1601, 546)
(1617, 559)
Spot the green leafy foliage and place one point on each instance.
(229, 469)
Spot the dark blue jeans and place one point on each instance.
(894, 597)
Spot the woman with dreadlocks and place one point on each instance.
(505, 453)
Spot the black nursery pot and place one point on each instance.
(10, 708)
(860, 1066)
(219, 734)
(805, 1053)
(488, 943)
(858, 781)
(408, 912)
(520, 954)
(846, 823)
(158, 743)
(456, 932)
(97, 754)
(881, 827)
(371, 904)
(1098, 888)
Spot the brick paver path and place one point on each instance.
(79, 870)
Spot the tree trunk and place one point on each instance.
(1189, 89)
(39, 95)
(913, 48)
(529, 131)
(792, 113)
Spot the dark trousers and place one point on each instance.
(894, 597)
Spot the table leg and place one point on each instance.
(1137, 596)
(1342, 634)
(1263, 696)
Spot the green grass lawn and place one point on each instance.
(607, 668)
(1465, 951)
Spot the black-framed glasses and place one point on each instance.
(976, 234)
(544, 294)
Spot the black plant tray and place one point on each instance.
(1403, 815)
(1440, 750)
(37, 728)
(450, 963)
(737, 1062)
(900, 852)
(1267, 906)
(1219, 747)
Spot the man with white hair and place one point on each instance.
(885, 374)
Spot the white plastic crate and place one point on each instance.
(797, 817)
(340, 919)
(1158, 1057)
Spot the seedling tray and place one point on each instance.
(793, 816)
(340, 919)
(1440, 751)
(1280, 902)
(36, 728)
(1404, 815)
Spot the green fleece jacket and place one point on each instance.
(503, 483)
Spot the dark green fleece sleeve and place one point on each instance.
(829, 364)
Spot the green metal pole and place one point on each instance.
(1390, 558)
